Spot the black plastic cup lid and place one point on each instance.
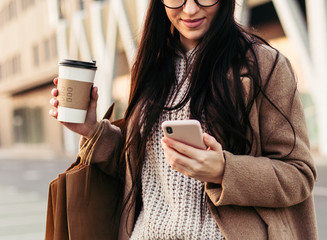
(78, 64)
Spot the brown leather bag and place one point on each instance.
(83, 202)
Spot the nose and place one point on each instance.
(190, 7)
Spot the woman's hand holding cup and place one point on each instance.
(91, 123)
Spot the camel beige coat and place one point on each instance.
(262, 195)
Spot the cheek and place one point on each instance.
(172, 16)
(169, 14)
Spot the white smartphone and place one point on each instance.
(185, 131)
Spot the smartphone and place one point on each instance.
(185, 131)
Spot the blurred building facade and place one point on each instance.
(36, 34)
(27, 64)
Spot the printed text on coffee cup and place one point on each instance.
(73, 94)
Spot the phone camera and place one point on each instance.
(169, 130)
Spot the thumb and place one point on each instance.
(94, 98)
(211, 142)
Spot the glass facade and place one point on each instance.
(28, 125)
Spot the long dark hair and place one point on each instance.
(223, 51)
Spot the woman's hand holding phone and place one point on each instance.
(86, 129)
(206, 165)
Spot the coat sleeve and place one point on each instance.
(108, 148)
(284, 174)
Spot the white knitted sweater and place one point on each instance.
(174, 205)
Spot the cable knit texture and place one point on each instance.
(174, 205)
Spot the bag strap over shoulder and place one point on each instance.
(109, 115)
(109, 112)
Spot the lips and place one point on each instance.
(193, 23)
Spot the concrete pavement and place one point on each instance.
(24, 191)
(22, 215)
(23, 196)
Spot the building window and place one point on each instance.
(8, 12)
(12, 11)
(36, 55)
(27, 3)
(54, 46)
(16, 65)
(6, 70)
(28, 125)
(9, 70)
(47, 54)
(10, 67)
(2, 17)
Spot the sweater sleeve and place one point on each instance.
(107, 150)
(285, 174)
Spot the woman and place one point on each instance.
(256, 177)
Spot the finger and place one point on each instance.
(176, 160)
(54, 92)
(94, 98)
(53, 113)
(95, 95)
(211, 142)
(182, 148)
(54, 102)
(55, 81)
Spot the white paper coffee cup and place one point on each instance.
(74, 88)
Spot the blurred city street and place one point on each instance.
(320, 196)
(24, 191)
(36, 35)
(23, 201)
